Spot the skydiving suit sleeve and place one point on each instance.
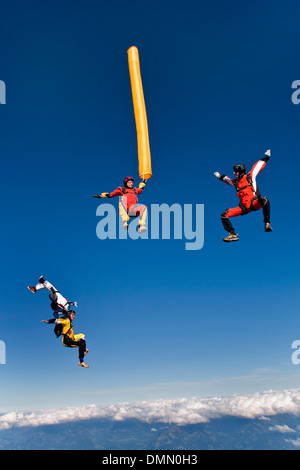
(262, 201)
(116, 192)
(60, 321)
(69, 304)
(228, 180)
(57, 321)
(256, 169)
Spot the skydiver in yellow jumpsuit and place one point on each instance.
(69, 339)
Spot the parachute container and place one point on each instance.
(144, 156)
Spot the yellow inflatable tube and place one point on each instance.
(145, 171)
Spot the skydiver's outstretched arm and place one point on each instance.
(116, 192)
(225, 178)
(57, 321)
(68, 304)
(258, 166)
(101, 196)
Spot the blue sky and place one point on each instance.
(160, 321)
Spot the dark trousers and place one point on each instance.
(261, 203)
(81, 344)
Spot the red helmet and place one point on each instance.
(128, 178)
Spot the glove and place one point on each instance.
(142, 185)
(267, 156)
(101, 196)
(217, 174)
(75, 304)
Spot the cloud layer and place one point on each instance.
(181, 411)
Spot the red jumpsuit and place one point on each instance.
(129, 200)
(128, 205)
(248, 194)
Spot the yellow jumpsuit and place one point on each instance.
(70, 340)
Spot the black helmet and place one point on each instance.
(68, 313)
(240, 169)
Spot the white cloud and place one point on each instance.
(294, 442)
(181, 411)
(283, 429)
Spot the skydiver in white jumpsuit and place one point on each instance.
(59, 304)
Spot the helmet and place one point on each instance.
(128, 178)
(240, 169)
(67, 314)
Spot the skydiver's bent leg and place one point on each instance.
(236, 211)
(141, 212)
(263, 203)
(267, 212)
(78, 342)
(50, 288)
(45, 285)
(54, 295)
(226, 222)
(124, 216)
(143, 216)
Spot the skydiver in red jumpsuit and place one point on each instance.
(248, 194)
(128, 206)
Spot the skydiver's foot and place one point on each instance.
(41, 280)
(83, 364)
(268, 227)
(33, 289)
(126, 226)
(232, 237)
(86, 351)
(142, 229)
